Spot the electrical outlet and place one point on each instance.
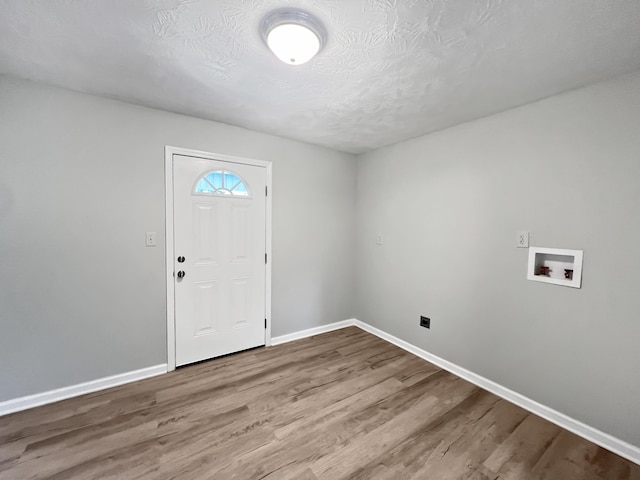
(523, 239)
(150, 239)
(425, 322)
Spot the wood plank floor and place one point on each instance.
(343, 405)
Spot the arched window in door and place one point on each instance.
(221, 182)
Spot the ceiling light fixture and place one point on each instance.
(294, 36)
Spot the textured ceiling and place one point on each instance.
(391, 70)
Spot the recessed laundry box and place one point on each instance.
(555, 265)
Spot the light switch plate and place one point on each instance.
(378, 239)
(523, 239)
(150, 239)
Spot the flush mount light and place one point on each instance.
(294, 36)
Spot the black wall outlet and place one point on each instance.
(425, 322)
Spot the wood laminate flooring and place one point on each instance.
(342, 405)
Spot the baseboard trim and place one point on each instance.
(620, 447)
(30, 401)
(310, 332)
(38, 399)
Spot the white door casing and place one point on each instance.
(222, 303)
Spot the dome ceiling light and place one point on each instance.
(294, 36)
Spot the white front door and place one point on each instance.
(219, 212)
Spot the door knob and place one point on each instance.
(181, 259)
(181, 274)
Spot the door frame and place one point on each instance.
(169, 153)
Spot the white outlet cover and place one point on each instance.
(150, 239)
(522, 240)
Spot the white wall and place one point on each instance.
(448, 206)
(82, 179)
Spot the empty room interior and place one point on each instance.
(320, 239)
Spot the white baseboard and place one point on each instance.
(312, 331)
(38, 399)
(30, 401)
(620, 447)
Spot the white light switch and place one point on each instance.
(150, 239)
(378, 239)
(523, 239)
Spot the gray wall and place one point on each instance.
(448, 206)
(82, 179)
